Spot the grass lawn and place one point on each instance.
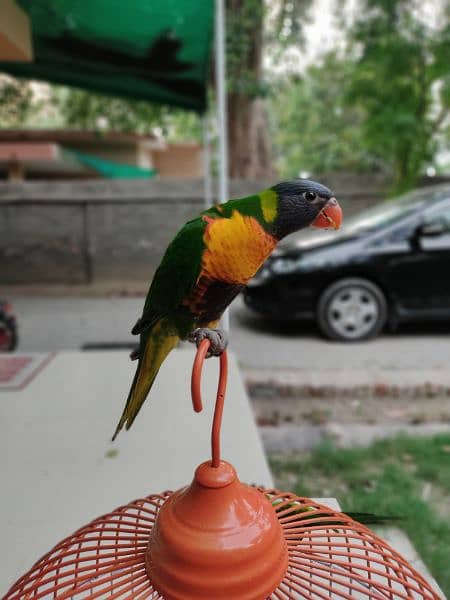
(408, 477)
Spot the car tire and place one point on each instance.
(352, 310)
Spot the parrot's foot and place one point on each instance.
(217, 338)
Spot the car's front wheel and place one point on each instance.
(352, 309)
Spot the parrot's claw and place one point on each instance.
(217, 338)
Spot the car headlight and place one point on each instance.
(259, 277)
(281, 266)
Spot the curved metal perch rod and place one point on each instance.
(220, 397)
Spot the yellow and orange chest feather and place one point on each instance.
(235, 248)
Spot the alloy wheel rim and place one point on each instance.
(352, 312)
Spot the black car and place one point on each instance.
(388, 264)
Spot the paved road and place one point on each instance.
(50, 324)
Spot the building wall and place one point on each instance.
(179, 161)
(98, 230)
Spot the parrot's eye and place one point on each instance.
(310, 196)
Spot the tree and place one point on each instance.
(249, 154)
(250, 24)
(314, 129)
(402, 83)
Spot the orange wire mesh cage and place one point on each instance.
(219, 539)
(106, 559)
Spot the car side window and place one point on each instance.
(403, 232)
(440, 217)
(397, 239)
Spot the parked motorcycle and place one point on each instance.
(8, 328)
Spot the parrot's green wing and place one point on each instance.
(176, 275)
(159, 325)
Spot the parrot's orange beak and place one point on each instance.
(329, 216)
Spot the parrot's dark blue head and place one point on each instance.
(301, 203)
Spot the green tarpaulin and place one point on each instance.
(156, 50)
(110, 168)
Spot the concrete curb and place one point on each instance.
(299, 438)
(381, 383)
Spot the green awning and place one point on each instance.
(156, 50)
(109, 168)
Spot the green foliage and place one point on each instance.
(285, 20)
(86, 110)
(15, 101)
(388, 478)
(182, 125)
(74, 108)
(314, 128)
(401, 81)
(252, 24)
(383, 105)
(244, 31)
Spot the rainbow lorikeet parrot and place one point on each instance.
(208, 263)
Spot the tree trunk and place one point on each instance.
(249, 143)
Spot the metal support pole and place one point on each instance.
(221, 100)
(207, 179)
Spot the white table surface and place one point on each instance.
(55, 436)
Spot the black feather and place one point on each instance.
(371, 519)
(296, 187)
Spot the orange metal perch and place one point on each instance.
(220, 398)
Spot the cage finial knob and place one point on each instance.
(215, 536)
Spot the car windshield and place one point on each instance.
(385, 213)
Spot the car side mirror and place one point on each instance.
(430, 229)
(427, 230)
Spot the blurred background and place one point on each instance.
(342, 339)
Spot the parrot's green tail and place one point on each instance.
(160, 340)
